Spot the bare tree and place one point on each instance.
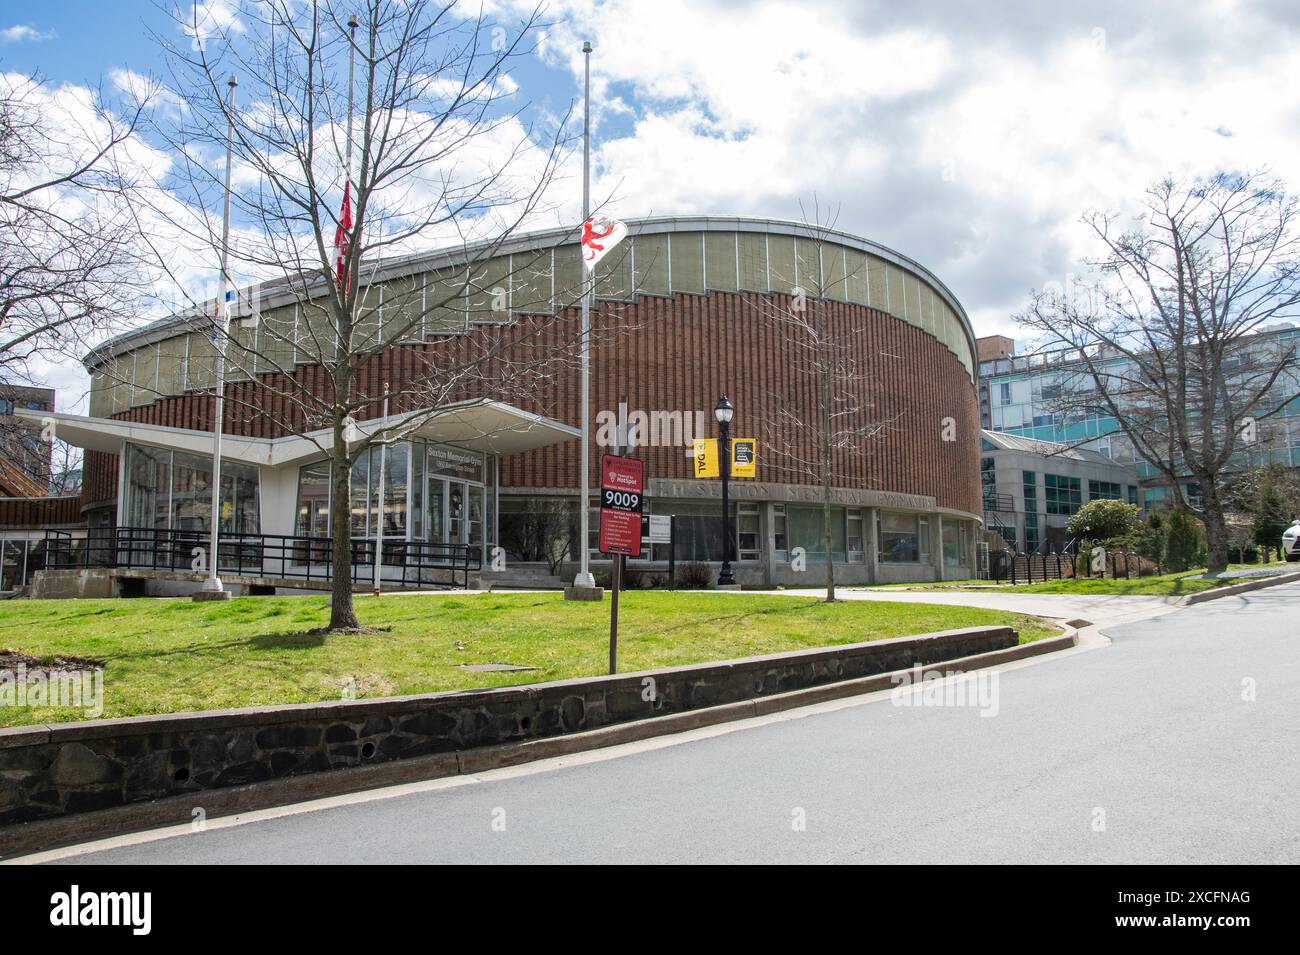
(823, 424)
(1164, 335)
(69, 270)
(442, 156)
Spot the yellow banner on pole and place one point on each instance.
(706, 458)
(744, 457)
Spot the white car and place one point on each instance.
(1291, 541)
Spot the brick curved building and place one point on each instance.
(688, 308)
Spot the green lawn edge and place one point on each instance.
(173, 655)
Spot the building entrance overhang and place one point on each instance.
(491, 427)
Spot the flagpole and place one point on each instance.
(347, 160)
(379, 532)
(584, 578)
(352, 65)
(212, 588)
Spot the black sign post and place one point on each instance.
(622, 502)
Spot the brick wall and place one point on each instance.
(39, 511)
(672, 354)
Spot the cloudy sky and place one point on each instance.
(970, 136)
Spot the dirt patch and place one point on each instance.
(363, 685)
(327, 632)
(13, 659)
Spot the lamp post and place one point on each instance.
(724, 412)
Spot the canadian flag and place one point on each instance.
(599, 235)
(341, 239)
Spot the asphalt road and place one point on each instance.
(1141, 752)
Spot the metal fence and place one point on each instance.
(1080, 558)
(404, 563)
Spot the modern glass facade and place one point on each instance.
(431, 492)
(172, 490)
(1023, 392)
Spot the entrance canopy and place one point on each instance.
(479, 425)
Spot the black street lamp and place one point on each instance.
(723, 412)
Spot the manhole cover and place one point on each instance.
(492, 667)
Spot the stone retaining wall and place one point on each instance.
(57, 769)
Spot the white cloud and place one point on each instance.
(969, 141)
(215, 18)
(21, 32)
(140, 88)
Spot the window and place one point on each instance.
(779, 549)
(898, 536)
(989, 483)
(396, 461)
(148, 487)
(173, 490)
(1062, 494)
(747, 531)
(1004, 393)
(313, 518)
(856, 543)
(1103, 490)
(954, 543)
(698, 529)
(804, 529)
(1031, 511)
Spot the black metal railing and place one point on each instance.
(1080, 558)
(404, 563)
(999, 502)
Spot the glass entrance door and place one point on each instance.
(474, 528)
(457, 525)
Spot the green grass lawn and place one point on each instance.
(172, 655)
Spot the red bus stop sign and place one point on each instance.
(622, 498)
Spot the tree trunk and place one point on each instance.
(826, 542)
(342, 614)
(1216, 530)
(826, 484)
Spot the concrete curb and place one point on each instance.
(1233, 589)
(84, 827)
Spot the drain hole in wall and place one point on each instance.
(181, 775)
(367, 750)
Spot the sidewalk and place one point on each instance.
(1098, 609)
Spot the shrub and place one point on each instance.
(1269, 516)
(1103, 520)
(1149, 539)
(1244, 553)
(694, 576)
(1184, 545)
